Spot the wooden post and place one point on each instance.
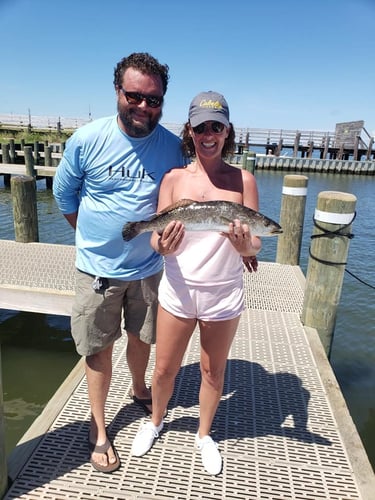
(326, 146)
(29, 161)
(6, 159)
(12, 151)
(3, 461)
(292, 215)
(247, 140)
(340, 152)
(48, 163)
(279, 148)
(310, 149)
(356, 148)
(369, 149)
(45, 146)
(48, 156)
(244, 158)
(36, 153)
(249, 161)
(325, 273)
(25, 212)
(296, 144)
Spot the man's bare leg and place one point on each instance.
(138, 354)
(99, 373)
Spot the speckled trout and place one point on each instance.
(204, 216)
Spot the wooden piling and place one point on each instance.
(29, 161)
(310, 149)
(369, 149)
(36, 153)
(5, 148)
(292, 215)
(12, 151)
(48, 163)
(326, 147)
(249, 160)
(296, 144)
(48, 156)
(3, 461)
(328, 252)
(25, 213)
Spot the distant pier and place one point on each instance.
(349, 140)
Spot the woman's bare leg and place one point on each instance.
(172, 338)
(216, 340)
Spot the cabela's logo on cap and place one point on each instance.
(208, 106)
(209, 103)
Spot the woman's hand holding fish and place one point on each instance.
(240, 237)
(170, 239)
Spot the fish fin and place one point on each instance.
(130, 231)
(181, 203)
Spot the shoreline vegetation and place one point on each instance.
(28, 134)
(251, 144)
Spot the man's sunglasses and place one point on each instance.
(153, 101)
(215, 127)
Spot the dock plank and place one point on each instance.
(37, 277)
(283, 427)
(13, 169)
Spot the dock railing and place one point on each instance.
(342, 143)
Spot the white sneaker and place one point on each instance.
(211, 458)
(145, 438)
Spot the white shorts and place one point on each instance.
(207, 303)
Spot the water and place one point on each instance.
(38, 353)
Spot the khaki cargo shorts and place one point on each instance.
(97, 315)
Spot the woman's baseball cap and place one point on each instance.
(208, 106)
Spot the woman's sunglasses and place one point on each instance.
(214, 127)
(153, 101)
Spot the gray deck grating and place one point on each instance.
(275, 426)
(43, 266)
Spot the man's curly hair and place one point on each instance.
(188, 147)
(146, 64)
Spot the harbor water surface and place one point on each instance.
(38, 352)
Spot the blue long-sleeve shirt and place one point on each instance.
(110, 179)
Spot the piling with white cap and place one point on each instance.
(329, 248)
(292, 215)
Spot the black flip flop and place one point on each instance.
(142, 403)
(103, 448)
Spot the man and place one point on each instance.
(110, 174)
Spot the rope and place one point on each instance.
(325, 233)
(361, 281)
(338, 232)
(334, 233)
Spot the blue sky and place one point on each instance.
(290, 64)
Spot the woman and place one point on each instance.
(203, 276)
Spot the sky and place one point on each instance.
(281, 64)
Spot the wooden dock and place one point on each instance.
(283, 427)
(349, 141)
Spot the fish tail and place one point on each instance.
(130, 231)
